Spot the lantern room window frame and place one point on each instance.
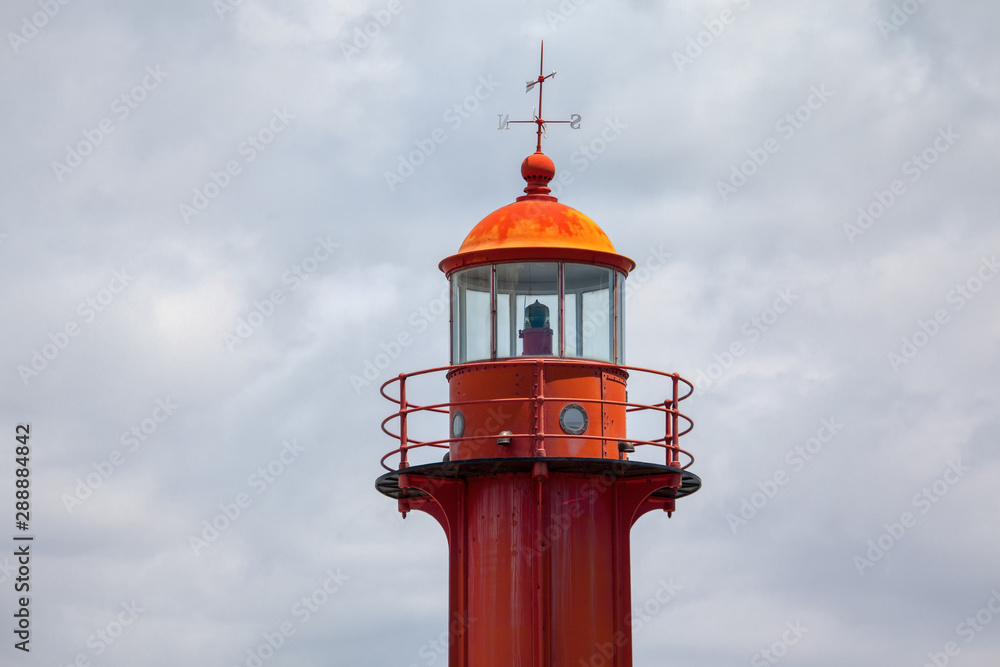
(616, 325)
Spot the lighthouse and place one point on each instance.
(533, 472)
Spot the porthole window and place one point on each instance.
(573, 419)
(457, 424)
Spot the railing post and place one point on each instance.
(668, 437)
(673, 429)
(403, 463)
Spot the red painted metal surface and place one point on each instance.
(538, 532)
(540, 572)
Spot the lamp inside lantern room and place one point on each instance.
(537, 335)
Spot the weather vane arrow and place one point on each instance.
(538, 120)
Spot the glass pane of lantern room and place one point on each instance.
(503, 324)
(529, 294)
(588, 307)
(470, 315)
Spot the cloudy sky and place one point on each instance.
(218, 215)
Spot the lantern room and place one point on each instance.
(522, 309)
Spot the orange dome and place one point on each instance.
(536, 227)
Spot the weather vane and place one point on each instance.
(505, 121)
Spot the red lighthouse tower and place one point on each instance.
(536, 492)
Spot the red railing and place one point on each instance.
(668, 407)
